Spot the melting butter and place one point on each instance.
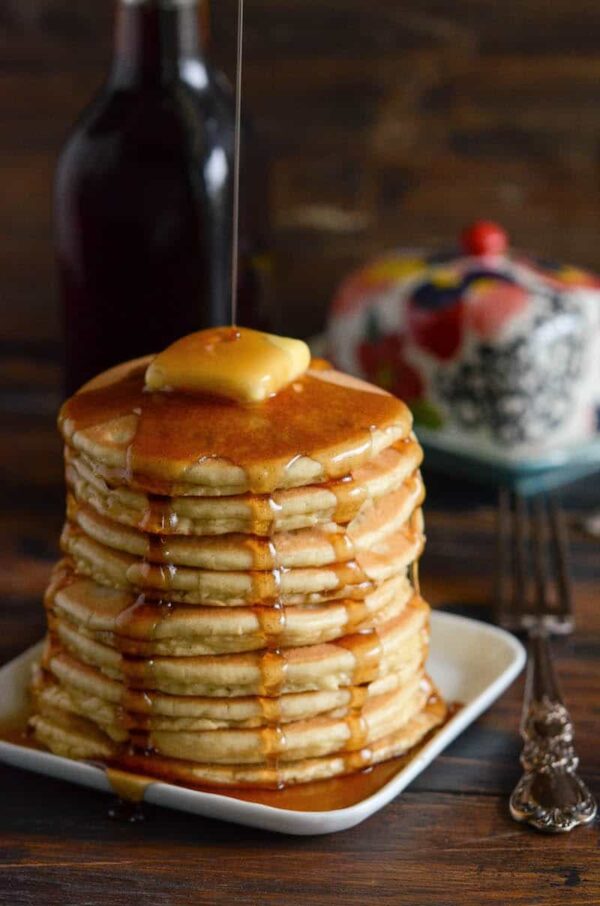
(242, 364)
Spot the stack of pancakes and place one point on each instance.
(237, 603)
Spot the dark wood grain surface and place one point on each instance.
(448, 840)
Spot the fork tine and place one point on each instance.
(559, 545)
(519, 591)
(540, 560)
(503, 556)
(531, 557)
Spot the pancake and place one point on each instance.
(69, 735)
(138, 626)
(307, 738)
(283, 510)
(310, 585)
(174, 442)
(113, 703)
(318, 546)
(354, 659)
(238, 601)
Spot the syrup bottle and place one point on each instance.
(143, 197)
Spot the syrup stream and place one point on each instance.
(236, 164)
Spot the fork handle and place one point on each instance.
(550, 795)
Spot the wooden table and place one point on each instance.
(447, 840)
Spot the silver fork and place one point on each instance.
(532, 547)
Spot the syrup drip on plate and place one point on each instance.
(129, 790)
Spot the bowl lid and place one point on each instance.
(482, 258)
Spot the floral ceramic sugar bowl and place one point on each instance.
(497, 353)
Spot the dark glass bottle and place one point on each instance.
(143, 197)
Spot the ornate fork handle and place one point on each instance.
(550, 795)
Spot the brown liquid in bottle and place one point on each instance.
(142, 218)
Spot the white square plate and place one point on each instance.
(471, 663)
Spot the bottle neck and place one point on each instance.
(159, 41)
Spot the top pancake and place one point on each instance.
(320, 427)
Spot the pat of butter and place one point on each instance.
(236, 362)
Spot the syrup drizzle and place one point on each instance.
(356, 613)
(273, 663)
(349, 496)
(343, 546)
(159, 516)
(366, 648)
(138, 624)
(264, 510)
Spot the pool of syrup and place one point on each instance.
(318, 796)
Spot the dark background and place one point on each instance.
(383, 122)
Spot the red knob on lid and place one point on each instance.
(484, 237)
